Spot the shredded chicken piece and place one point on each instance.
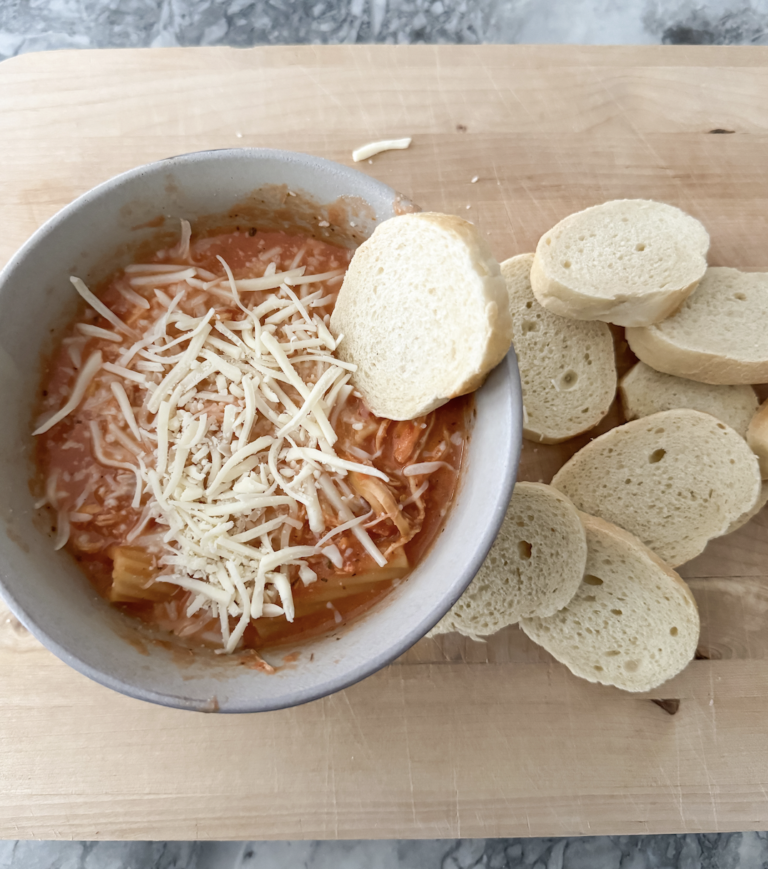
(406, 435)
(381, 499)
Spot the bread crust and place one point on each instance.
(757, 437)
(653, 348)
(762, 500)
(568, 302)
(693, 356)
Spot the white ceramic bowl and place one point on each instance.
(47, 591)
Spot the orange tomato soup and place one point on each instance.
(108, 466)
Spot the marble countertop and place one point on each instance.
(37, 25)
(705, 851)
(708, 851)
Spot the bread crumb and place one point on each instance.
(475, 179)
(239, 135)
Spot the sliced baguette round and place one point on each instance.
(630, 261)
(633, 622)
(717, 336)
(674, 479)
(533, 568)
(757, 437)
(424, 314)
(645, 391)
(567, 367)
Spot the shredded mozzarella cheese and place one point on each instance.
(374, 148)
(99, 306)
(425, 468)
(225, 493)
(84, 378)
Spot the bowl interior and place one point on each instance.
(46, 590)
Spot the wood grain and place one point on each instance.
(456, 738)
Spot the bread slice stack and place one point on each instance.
(585, 566)
(567, 367)
(423, 312)
(533, 568)
(633, 622)
(587, 591)
(630, 261)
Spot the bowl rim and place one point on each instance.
(330, 684)
(103, 188)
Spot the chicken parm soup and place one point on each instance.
(211, 466)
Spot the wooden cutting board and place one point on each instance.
(456, 738)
